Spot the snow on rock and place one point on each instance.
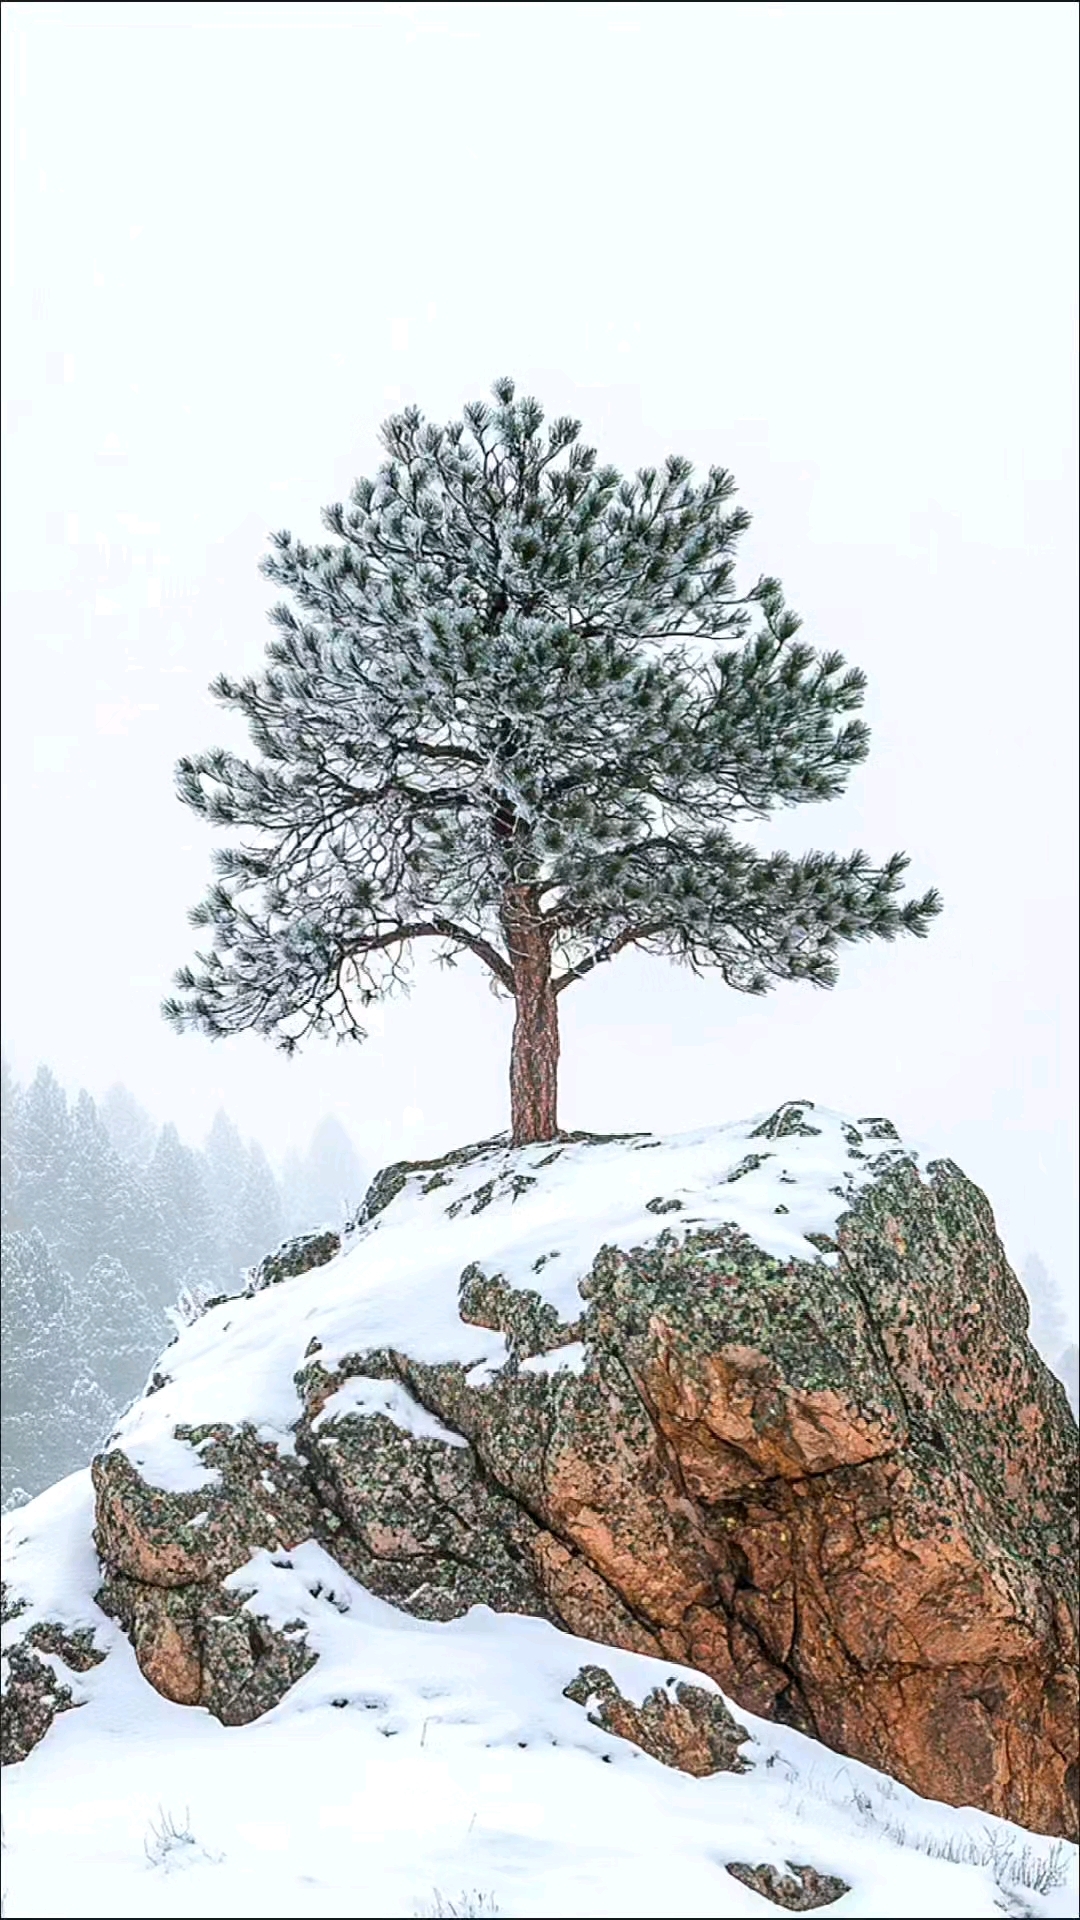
(365, 1398)
(756, 1401)
(417, 1760)
(568, 1359)
(535, 1215)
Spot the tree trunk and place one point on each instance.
(534, 1056)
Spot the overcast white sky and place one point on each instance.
(831, 247)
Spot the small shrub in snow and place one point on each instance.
(170, 1844)
(1012, 1863)
(191, 1303)
(465, 1907)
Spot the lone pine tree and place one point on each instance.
(517, 712)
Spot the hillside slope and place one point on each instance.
(420, 1759)
(450, 1561)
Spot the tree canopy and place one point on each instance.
(517, 707)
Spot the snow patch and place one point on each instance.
(365, 1398)
(568, 1359)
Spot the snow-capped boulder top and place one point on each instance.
(757, 1400)
(535, 1215)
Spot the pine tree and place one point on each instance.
(45, 1135)
(106, 1210)
(261, 1223)
(332, 1180)
(117, 1331)
(226, 1163)
(192, 1253)
(294, 1199)
(519, 713)
(94, 1251)
(129, 1127)
(54, 1413)
(11, 1098)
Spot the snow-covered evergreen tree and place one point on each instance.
(45, 1136)
(117, 1330)
(10, 1118)
(129, 1127)
(107, 1211)
(176, 1179)
(54, 1413)
(325, 1187)
(520, 711)
(37, 1290)
(95, 1250)
(226, 1162)
(294, 1202)
(261, 1224)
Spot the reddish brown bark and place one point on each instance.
(534, 1054)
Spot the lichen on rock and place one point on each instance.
(294, 1257)
(817, 1483)
(800, 1889)
(531, 1324)
(423, 1524)
(202, 1646)
(40, 1668)
(167, 1556)
(261, 1498)
(834, 1477)
(684, 1726)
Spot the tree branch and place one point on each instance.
(439, 929)
(607, 952)
(428, 752)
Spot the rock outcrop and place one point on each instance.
(167, 1555)
(41, 1666)
(838, 1480)
(799, 1889)
(848, 1495)
(682, 1726)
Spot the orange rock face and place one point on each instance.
(845, 1492)
(845, 1488)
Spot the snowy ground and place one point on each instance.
(427, 1768)
(418, 1763)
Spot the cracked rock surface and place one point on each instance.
(842, 1485)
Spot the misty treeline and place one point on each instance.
(111, 1225)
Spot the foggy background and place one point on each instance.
(831, 247)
